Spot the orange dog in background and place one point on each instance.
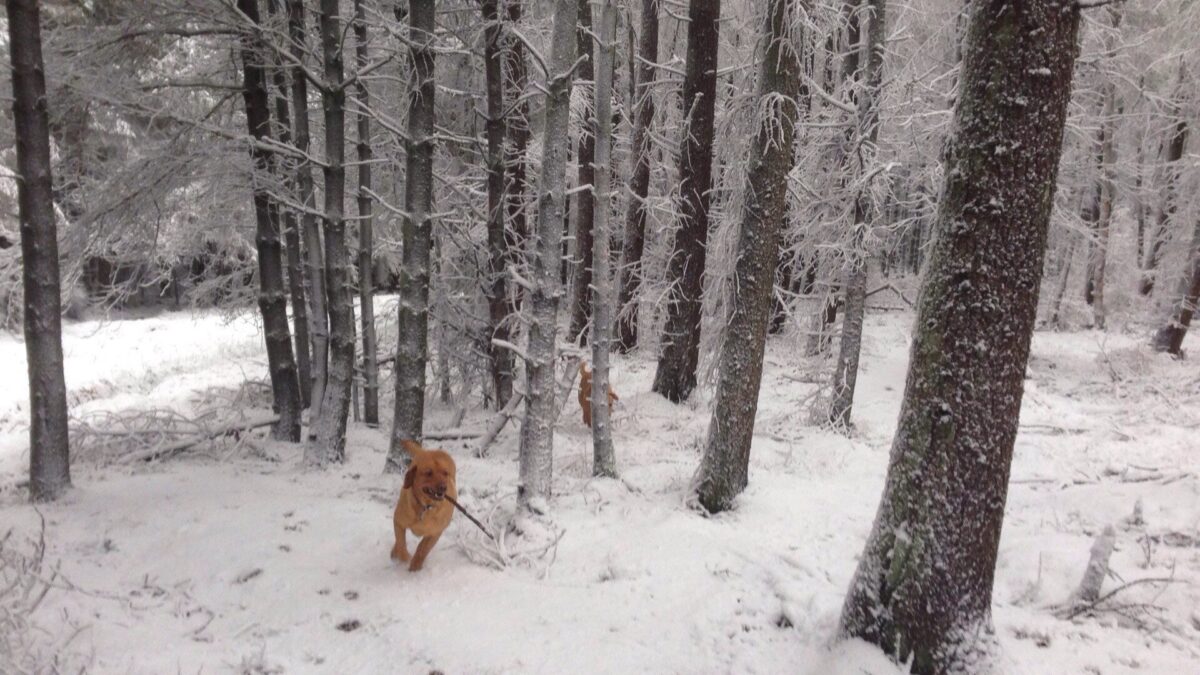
(585, 394)
(423, 507)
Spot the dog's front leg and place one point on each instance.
(400, 549)
(423, 550)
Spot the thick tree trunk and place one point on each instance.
(724, 468)
(676, 375)
(604, 459)
(49, 451)
(412, 349)
(366, 233)
(635, 219)
(1169, 338)
(537, 429)
(585, 208)
(291, 232)
(501, 360)
(923, 587)
(330, 444)
(1170, 202)
(859, 157)
(272, 299)
(314, 253)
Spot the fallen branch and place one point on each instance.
(161, 451)
(497, 424)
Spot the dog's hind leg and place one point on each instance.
(423, 550)
(400, 549)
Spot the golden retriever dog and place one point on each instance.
(585, 394)
(423, 507)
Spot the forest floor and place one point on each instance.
(231, 558)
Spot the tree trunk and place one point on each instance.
(314, 254)
(724, 468)
(498, 240)
(366, 234)
(330, 444)
(1169, 338)
(291, 232)
(864, 135)
(1108, 169)
(537, 429)
(272, 300)
(635, 219)
(604, 460)
(1064, 276)
(49, 451)
(585, 209)
(676, 375)
(412, 347)
(923, 587)
(517, 130)
(1166, 212)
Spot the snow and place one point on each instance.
(246, 564)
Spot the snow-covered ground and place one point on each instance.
(235, 562)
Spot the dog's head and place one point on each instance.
(431, 473)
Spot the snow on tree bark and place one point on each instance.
(860, 155)
(314, 254)
(330, 443)
(635, 220)
(922, 590)
(499, 257)
(291, 232)
(272, 299)
(412, 348)
(366, 233)
(675, 377)
(585, 209)
(49, 451)
(1169, 338)
(724, 468)
(604, 460)
(1098, 258)
(536, 455)
(1170, 196)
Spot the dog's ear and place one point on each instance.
(412, 447)
(410, 476)
(612, 395)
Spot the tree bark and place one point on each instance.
(412, 349)
(314, 254)
(49, 450)
(498, 240)
(585, 208)
(860, 155)
(1166, 211)
(675, 377)
(604, 460)
(725, 466)
(922, 590)
(635, 219)
(272, 299)
(366, 233)
(291, 232)
(537, 428)
(1169, 338)
(330, 444)
(1098, 261)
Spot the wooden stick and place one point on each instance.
(471, 517)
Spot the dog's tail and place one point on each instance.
(412, 447)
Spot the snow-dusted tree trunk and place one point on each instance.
(314, 254)
(366, 233)
(537, 427)
(635, 219)
(412, 348)
(1098, 253)
(724, 467)
(585, 211)
(923, 587)
(676, 375)
(1170, 198)
(272, 299)
(604, 460)
(1064, 276)
(499, 257)
(49, 452)
(330, 443)
(860, 155)
(291, 232)
(1169, 338)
